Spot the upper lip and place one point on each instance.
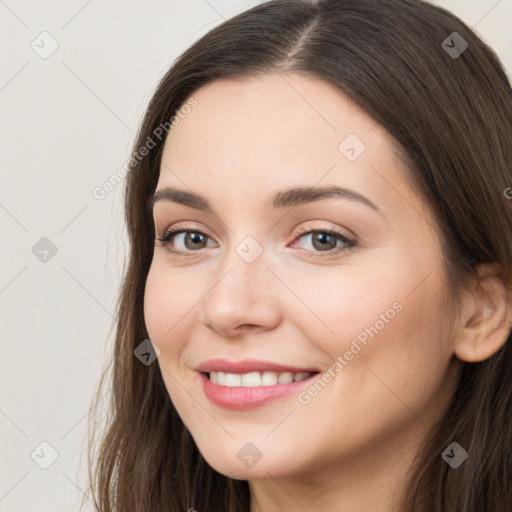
(249, 365)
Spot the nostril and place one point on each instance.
(247, 327)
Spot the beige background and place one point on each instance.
(67, 124)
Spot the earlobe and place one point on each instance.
(486, 318)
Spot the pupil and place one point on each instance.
(321, 236)
(195, 237)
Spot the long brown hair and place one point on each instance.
(448, 108)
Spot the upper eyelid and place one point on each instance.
(178, 226)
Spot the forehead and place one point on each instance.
(273, 119)
(257, 135)
(259, 109)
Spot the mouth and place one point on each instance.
(242, 391)
(256, 379)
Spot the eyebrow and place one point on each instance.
(283, 199)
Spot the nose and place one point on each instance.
(242, 298)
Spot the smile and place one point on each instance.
(256, 379)
(251, 390)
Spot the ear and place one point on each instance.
(486, 317)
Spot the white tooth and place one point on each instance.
(233, 380)
(269, 379)
(285, 378)
(251, 379)
(255, 379)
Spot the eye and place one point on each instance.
(192, 239)
(328, 241)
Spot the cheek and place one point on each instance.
(384, 330)
(169, 296)
(166, 304)
(340, 305)
(388, 366)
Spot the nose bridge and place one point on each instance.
(242, 293)
(245, 249)
(242, 273)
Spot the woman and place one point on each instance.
(321, 256)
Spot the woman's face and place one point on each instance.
(261, 276)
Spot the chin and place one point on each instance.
(246, 464)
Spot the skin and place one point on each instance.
(350, 447)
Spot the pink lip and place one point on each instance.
(242, 398)
(249, 365)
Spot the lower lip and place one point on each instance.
(242, 398)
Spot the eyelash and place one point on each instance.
(349, 242)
